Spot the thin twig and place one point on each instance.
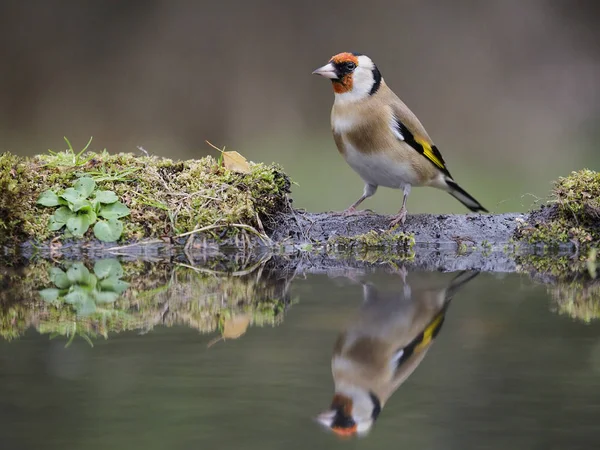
(200, 269)
(237, 273)
(253, 230)
(135, 244)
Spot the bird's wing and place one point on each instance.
(406, 127)
(422, 340)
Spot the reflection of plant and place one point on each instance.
(78, 210)
(83, 289)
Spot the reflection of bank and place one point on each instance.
(381, 348)
(93, 298)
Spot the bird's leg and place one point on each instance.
(368, 191)
(403, 273)
(401, 216)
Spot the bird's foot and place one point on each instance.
(352, 211)
(399, 218)
(403, 273)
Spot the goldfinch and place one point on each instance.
(380, 138)
(381, 348)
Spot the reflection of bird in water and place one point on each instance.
(381, 348)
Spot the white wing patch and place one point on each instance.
(395, 129)
(397, 356)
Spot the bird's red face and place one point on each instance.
(340, 70)
(339, 418)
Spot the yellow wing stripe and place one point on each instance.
(428, 153)
(429, 332)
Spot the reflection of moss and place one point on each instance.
(550, 263)
(374, 247)
(201, 300)
(570, 281)
(165, 197)
(558, 264)
(580, 301)
(374, 240)
(573, 213)
(155, 294)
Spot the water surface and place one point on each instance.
(505, 370)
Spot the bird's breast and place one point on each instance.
(381, 167)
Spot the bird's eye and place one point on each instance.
(350, 66)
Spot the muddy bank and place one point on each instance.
(440, 229)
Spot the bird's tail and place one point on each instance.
(459, 281)
(462, 196)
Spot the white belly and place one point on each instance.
(380, 169)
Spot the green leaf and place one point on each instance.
(76, 297)
(72, 196)
(96, 205)
(106, 197)
(48, 198)
(106, 297)
(78, 273)
(86, 307)
(114, 284)
(78, 225)
(85, 186)
(53, 225)
(59, 278)
(91, 216)
(114, 211)
(63, 214)
(49, 295)
(110, 267)
(108, 230)
(82, 205)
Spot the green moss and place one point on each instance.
(572, 214)
(166, 197)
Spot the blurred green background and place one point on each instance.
(509, 90)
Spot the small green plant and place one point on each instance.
(80, 206)
(85, 290)
(68, 157)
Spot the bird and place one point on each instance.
(381, 348)
(381, 138)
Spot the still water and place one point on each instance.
(155, 355)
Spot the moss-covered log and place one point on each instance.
(165, 198)
(206, 203)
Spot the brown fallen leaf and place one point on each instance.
(232, 160)
(233, 328)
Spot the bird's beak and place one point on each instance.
(326, 418)
(327, 71)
